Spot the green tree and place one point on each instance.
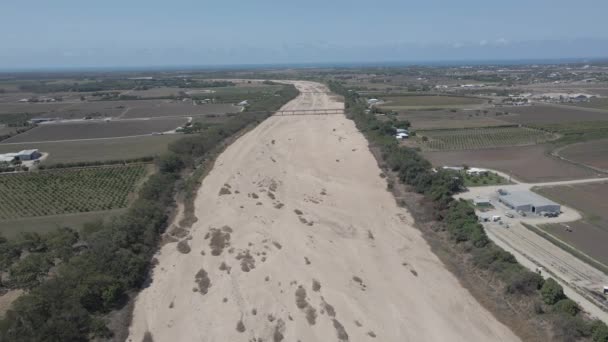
(552, 292)
(567, 306)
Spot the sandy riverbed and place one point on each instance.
(318, 250)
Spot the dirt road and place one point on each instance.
(297, 239)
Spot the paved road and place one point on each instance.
(582, 282)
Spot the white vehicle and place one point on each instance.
(496, 218)
(509, 215)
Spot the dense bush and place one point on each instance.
(552, 292)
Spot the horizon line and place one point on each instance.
(303, 65)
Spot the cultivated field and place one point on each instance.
(125, 108)
(66, 191)
(539, 114)
(414, 101)
(97, 129)
(478, 138)
(437, 119)
(597, 103)
(179, 109)
(592, 153)
(591, 233)
(527, 163)
(98, 150)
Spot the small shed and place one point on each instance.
(481, 201)
(28, 155)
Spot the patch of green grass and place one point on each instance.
(490, 178)
(46, 224)
(573, 132)
(94, 150)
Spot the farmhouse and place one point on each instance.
(528, 201)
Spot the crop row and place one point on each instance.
(65, 191)
(476, 138)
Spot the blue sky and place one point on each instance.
(69, 33)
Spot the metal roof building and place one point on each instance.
(528, 201)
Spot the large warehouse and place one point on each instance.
(528, 201)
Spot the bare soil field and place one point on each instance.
(527, 163)
(127, 109)
(412, 102)
(178, 108)
(93, 150)
(539, 114)
(96, 130)
(297, 238)
(591, 233)
(584, 236)
(437, 119)
(592, 153)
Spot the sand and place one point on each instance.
(318, 250)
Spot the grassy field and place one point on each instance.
(412, 102)
(597, 103)
(97, 129)
(92, 150)
(540, 114)
(45, 224)
(443, 119)
(574, 132)
(478, 138)
(67, 191)
(483, 180)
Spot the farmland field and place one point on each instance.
(45, 224)
(178, 109)
(540, 114)
(94, 150)
(527, 163)
(66, 191)
(436, 119)
(477, 138)
(592, 153)
(598, 103)
(96, 130)
(411, 102)
(591, 233)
